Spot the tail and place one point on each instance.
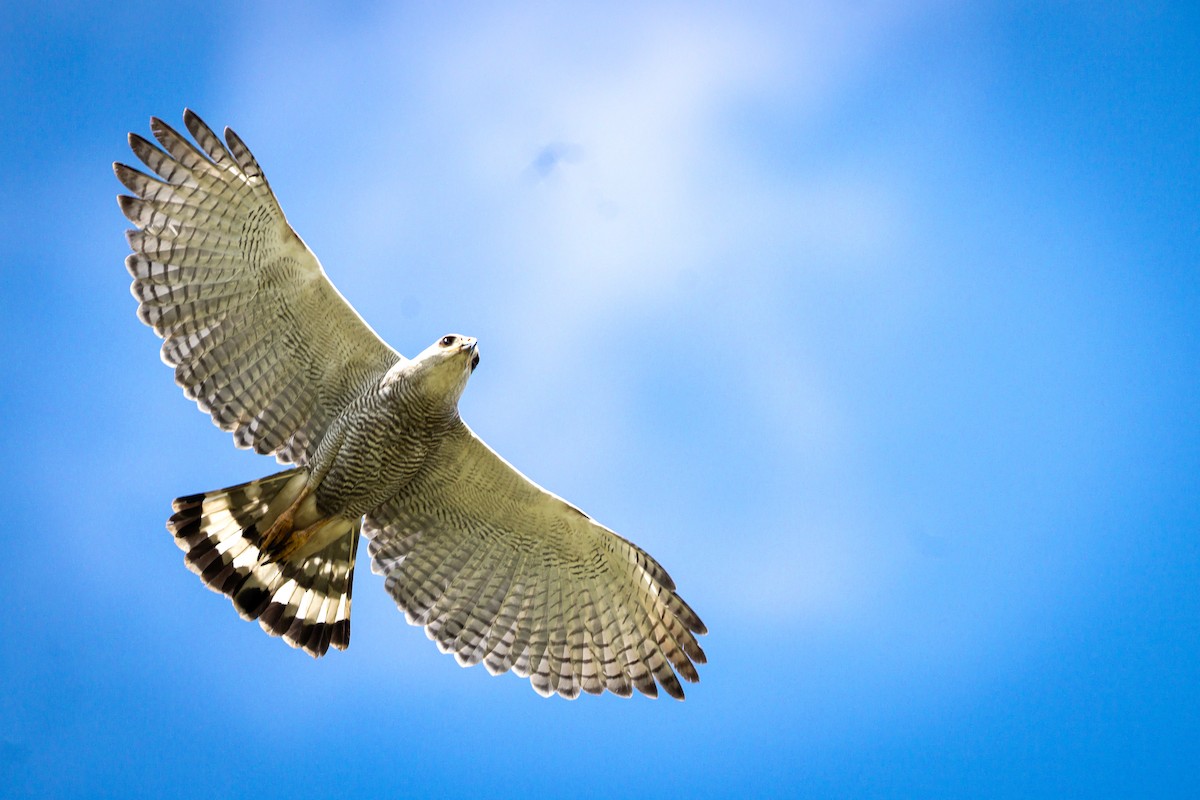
(303, 596)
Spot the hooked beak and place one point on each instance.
(473, 349)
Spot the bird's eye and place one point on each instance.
(447, 341)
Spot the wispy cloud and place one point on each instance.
(629, 117)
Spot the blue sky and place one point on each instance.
(878, 324)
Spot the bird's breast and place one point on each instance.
(374, 450)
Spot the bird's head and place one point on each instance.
(440, 370)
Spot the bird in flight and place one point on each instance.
(495, 568)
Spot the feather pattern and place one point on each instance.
(306, 601)
(227, 283)
(529, 583)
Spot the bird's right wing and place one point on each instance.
(499, 570)
(257, 334)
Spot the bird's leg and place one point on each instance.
(302, 537)
(276, 539)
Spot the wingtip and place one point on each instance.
(162, 130)
(232, 140)
(192, 120)
(672, 687)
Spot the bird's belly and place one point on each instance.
(368, 470)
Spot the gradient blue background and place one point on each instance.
(877, 323)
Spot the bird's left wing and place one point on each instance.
(257, 334)
(501, 571)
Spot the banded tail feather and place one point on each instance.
(300, 591)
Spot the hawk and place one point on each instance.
(495, 568)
